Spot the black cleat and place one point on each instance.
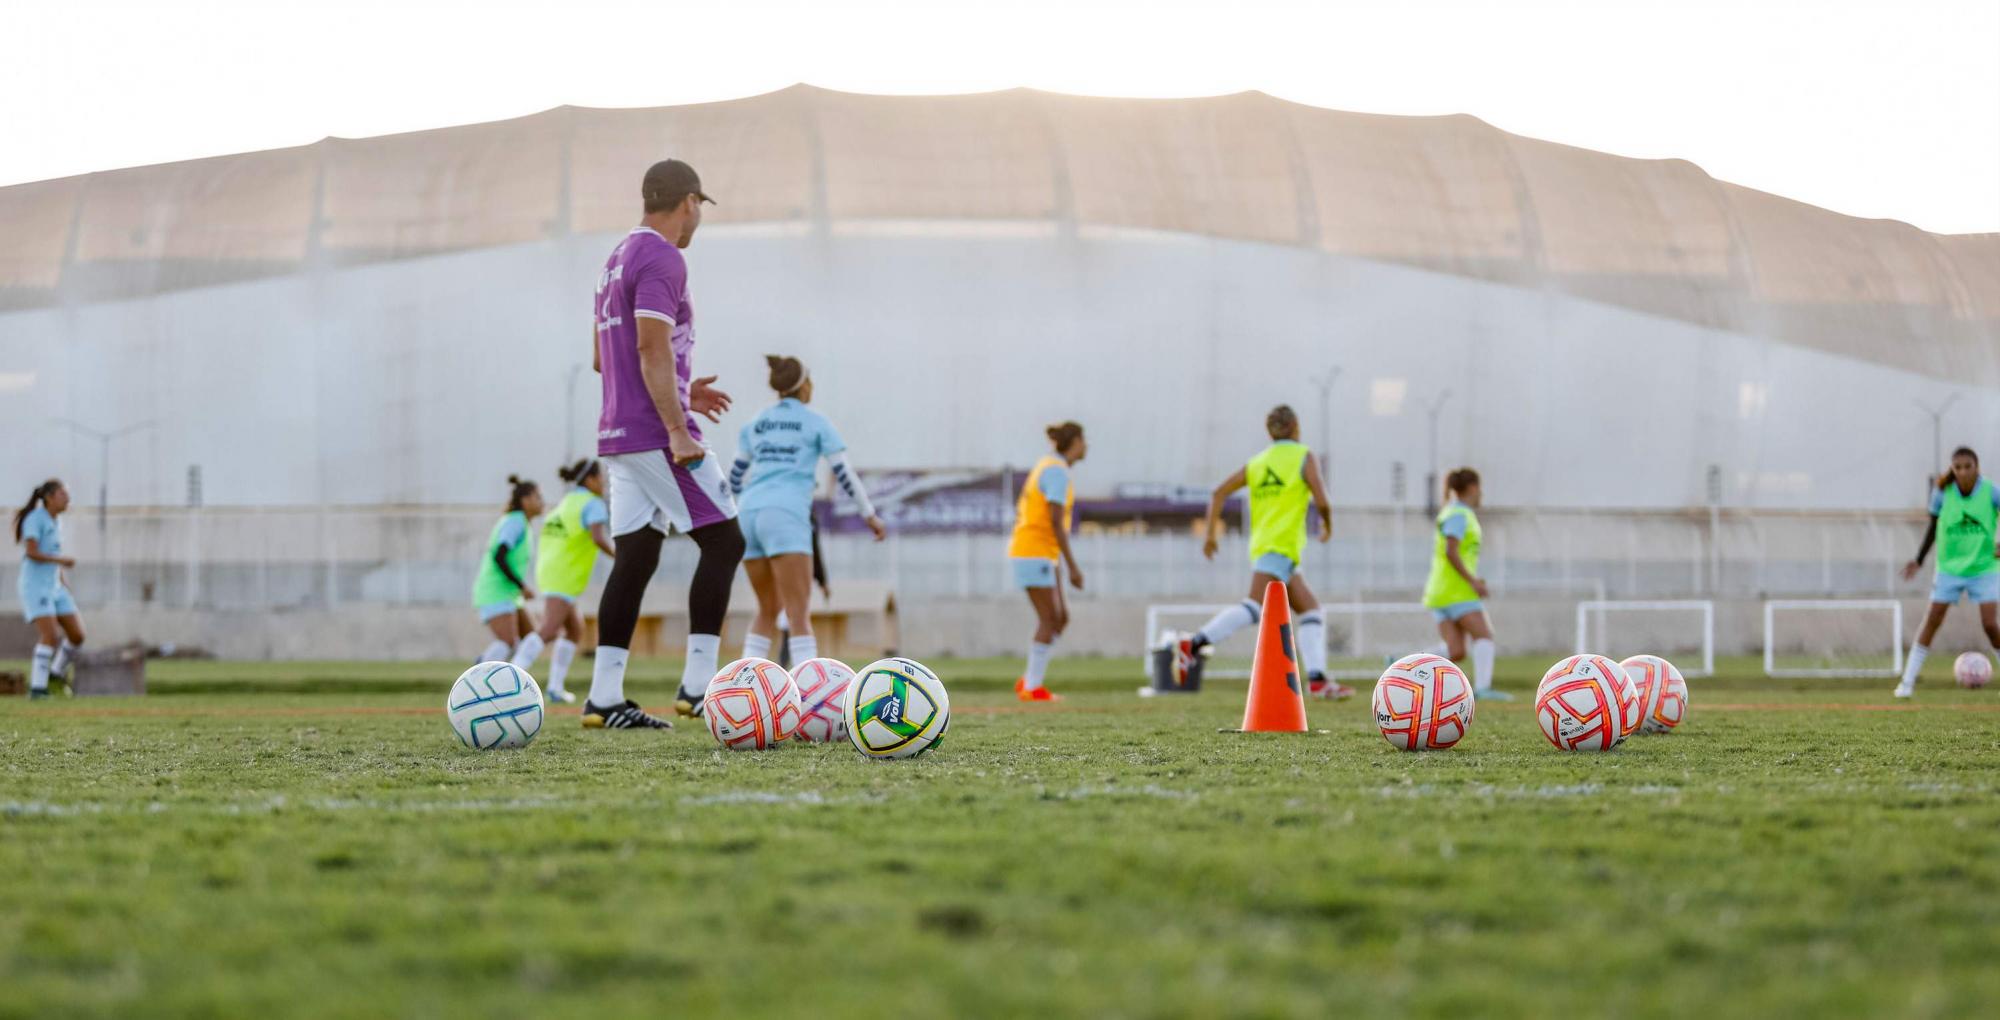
(689, 706)
(628, 716)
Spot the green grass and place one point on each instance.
(310, 840)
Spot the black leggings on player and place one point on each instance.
(721, 547)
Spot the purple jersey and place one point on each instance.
(645, 278)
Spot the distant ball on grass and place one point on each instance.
(1423, 703)
(494, 705)
(1972, 670)
(822, 687)
(1586, 703)
(896, 708)
(1663, 692)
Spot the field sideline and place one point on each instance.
(310, 840)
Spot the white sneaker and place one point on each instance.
(1905, 689)
(560, 696)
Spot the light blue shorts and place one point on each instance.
(1034, 572)
(42, 602)
(565, 596)
(1457, 611)
(1277, 565)
(775, 531)
(1982, 589)
(489, 613)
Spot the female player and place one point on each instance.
(1281, 480)
(1454, 590)
(572, 536)
(1963, 508)
(499, 591)
(777, 455)
(45, 598)
(1041, 545)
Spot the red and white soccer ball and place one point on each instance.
(822, 685)
(1586, 703)
(1423, 703)
(1972, 669)
(751, 705)
(1663, 692)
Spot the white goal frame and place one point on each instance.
(1599, 607)
(1359, 612)
(1895, 607)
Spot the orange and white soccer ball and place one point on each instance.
(1663, 693)
(1586, 703)
(1972, 669)
(822, 687)
(751, 705)
(1423, 703)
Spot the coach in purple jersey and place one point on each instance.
(662, 479)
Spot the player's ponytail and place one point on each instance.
(36, 498)
(579, 472)
(520, 489)
(1064, 433)
(1944, 480)
(1460, 480)
(787, 374)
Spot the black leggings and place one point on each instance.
(721, 547)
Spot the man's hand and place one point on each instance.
(1076, 577)
(684, 450)
(881, 530)
(1479, 587)
(707, 401)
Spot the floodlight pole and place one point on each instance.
(1431, 481)
(103, 464)
(1324, 382)
(1937, 425)
(569, 414)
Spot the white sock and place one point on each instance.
(1482, 664)
(1312, 642)
(63, 654)
(1038, 664)
(1914, 663)
(495, 652)
(756, 646)
(700, 668)
(38, 675)
(802, 648)
(563, 654)
(607, 677)
(1227, 622)
(527, 652)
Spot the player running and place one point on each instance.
(1963, 510)
(1282, 480)
(572, 536)
(499, 590)
(1040, 545)
(662, 479)
(777, 455)
(45, 597)
(1454, 591)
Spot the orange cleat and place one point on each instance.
(1038, 694)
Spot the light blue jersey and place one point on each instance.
(41, 527)
(783, 447)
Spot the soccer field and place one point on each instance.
(311, 840)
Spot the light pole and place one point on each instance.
(1937, 429)
(103, 464)
(1431, 480)
(569, 413)
(1324, 382)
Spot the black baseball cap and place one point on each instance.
(670, 177)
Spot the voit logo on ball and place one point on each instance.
(896, 708)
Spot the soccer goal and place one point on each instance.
(1833, 638)
(1682, 631)
(1361, 637)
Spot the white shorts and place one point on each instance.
(647, 489)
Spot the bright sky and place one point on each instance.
(1887, 109)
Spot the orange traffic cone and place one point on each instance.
(1277, 702)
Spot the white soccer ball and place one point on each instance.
(1662, 691)
(751, 705)
(822, 685)
(1586, 703)
(1423, 703)
(494, 705)
(1972, 669)
(896, 708)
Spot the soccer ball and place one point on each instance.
(751, 705)
(1423, 703)
(822, 685)
(1586, 703)
(895, 708)
(1972, 669)
(1663, 693)
(494, 705)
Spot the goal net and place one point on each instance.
(1361, 637)
(1833, 637)
(1680, 631)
